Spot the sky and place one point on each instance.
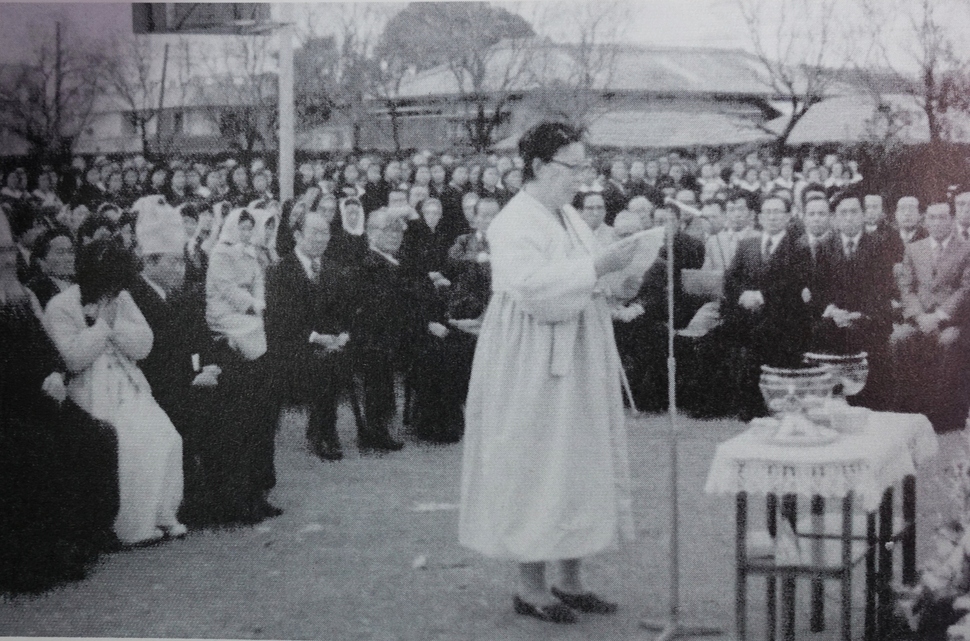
(687, 23)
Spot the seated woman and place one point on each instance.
(348, 245)
(235, 291)
(58, 466)
(101, 334)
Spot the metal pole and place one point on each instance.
(671, 628)
(287, 120)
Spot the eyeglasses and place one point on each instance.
(573, 166)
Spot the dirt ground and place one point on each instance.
(367, 550)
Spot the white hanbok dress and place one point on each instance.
(107, 383)
(545, 470)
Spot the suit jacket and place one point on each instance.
(180, 331)
(781, 328)
(471, 280)
(688, 254)
(895, 243)
(295, 307)
(615, 197)
(720, 247)
(393, 310)
(861, 283)
(926, 287)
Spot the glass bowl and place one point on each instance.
(851, 371)
(795, 391)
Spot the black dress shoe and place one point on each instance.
(381, 445)
(585, 602)
(555, 613)
(328, 452)
(269, 511)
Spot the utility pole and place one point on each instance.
(58, 83)
(287, 119)
(161, 104)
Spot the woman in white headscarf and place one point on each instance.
(348, 244)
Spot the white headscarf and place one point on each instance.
(358, 228)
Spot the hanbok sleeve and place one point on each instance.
(132, 334)
(549, 288)
(78, 344)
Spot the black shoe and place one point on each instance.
(267, 510)
(555, 613)
(585, 602)
(327, 452)
(386, 444)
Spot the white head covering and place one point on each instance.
(358, 228)
(159, 230)
(230, 228)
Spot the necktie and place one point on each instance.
(767, 247)
(315, 268)
(850, 247)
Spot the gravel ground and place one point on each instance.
(367, 550)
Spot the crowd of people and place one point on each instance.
(157, 318)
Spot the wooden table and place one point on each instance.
(859, 469)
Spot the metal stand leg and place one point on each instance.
(771, 607)
(847, 567)
(818, 560)
(741, 555)
(885, 568)
(872, 542)
(789, 512)
(909, 538)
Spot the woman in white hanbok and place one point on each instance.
(101, 334)
(545, 475)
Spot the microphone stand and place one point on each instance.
(671, 627)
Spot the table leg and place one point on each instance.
(789, 512)
(741, 554)
(909, 538)
(871, 543)
(847, 567)
(771, 608)
(818, 560)
(885, 571)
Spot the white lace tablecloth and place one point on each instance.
(865, 463)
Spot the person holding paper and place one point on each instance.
(545, 476)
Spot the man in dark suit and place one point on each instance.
(643, 338)
(224, 462)
(616, 194)
(930, 348)
(766, 313)
(852, 295)
(908, 228)
(308, 313)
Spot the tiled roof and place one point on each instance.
(668, 70)
(665, 129)
(849, 118)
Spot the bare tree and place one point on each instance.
(797, 45)
(573, 77)
(242, 100)
(142, 82)
(338, 70)
(942, 83)
(49, 100)
(483, 48)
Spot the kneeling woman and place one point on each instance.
(100, 334)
